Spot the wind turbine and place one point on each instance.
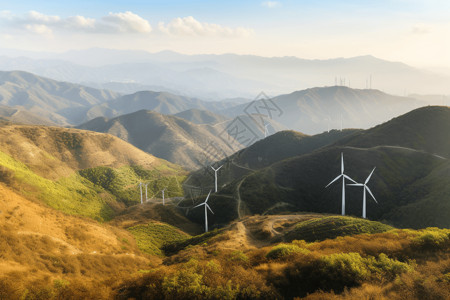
(365, 188)
(215, 177)
(343, 183)
(146, 198)
(140, 187)
(163, 195)
(266, 130)
(206, 212)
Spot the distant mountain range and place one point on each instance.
(222, 76)
(60, 103)
(411, 181)
(317, 110)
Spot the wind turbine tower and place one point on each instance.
(215, 177)
(140, 187)
(206, 212)
(266, 130)
(365, 188)
(343, 176)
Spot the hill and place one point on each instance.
(174, 139)
(46, 252)
(21, 116)
(79, 172)
(424, 129)
(319, 109)
(57, 102)
(411, 184)
(200, 116)
(161, 102)
(274, 148)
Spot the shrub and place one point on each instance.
(284, 250)
(432, 238)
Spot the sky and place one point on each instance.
(416, 32)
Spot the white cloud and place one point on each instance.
(270, 4)
(39, 23)
(127, 22)
(188, 26)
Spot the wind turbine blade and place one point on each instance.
(209, 208)
(333, 181)
(355, 184)
(199, 205)
(342, 163)
(213, 168)
(370, 192)
(347, 177)
(368, 178)
(219, 168)
(208, 196)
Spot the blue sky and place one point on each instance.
(413, 31)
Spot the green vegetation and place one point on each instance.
(123, 182)
(152, 237)
(334, 226)
(73, 195)
(92, 193)
(174, 247)
(284, 250)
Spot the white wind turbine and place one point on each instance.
(365, 188)
(266, 130)
(206, 212)
(215, 177)
(343, 183)
(140, 187)
(146, 198)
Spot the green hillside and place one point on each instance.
(78, 172)
(426, 129)
(332, 227)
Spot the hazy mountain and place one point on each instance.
(175, 139)
(59, 102)
(162, 102)
(198, 116)
(319, 109)
(229, 75)
(21, 116)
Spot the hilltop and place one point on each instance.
(56, 102)
(424, 129)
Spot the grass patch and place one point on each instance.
(332, 227)
(152, 237)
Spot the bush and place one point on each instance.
(432, 238)
(284, 250)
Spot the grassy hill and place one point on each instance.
(57, 102)
(424, 129)
(47, 254)
(79, 172)
(265, 152)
